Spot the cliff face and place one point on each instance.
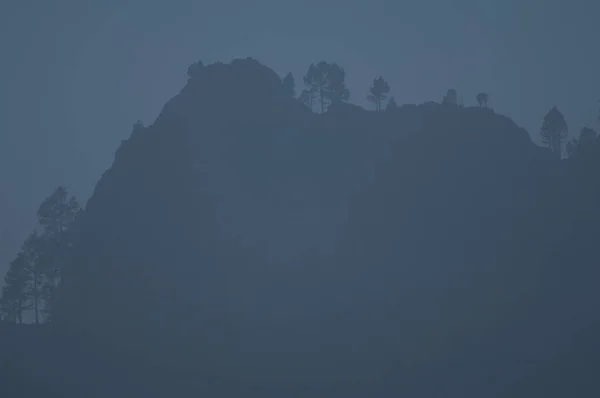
(257, 244)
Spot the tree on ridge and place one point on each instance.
(451, 97)
(482, 100)
(554, 131)
(326, 83)
(378, 92)
(289, 85)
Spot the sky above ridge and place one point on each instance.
(76, 74)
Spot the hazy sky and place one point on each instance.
(76, 74)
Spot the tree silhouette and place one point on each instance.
(482, 100)
(56, 214)
(391, 105)
(14, 292)
(587, 136)
(31, 252)
(289, 85)
(315, 81)
(62, 257)
(34, 277)
(336, 90)
(554, 131)
(307, 97)
(378, 92)
(326, 82)
(451, 97)
(163, 289)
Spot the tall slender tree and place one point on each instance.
(378, 92)
(14, 292)
(316, 82)
(289, 85)
(35, 276)
(326, 83)
(56, 215)
(554, 131)
(336, 90)
(31, 254)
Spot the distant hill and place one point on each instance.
(243, 244)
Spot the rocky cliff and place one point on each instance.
(243, 243)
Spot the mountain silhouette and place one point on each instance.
(242, 244)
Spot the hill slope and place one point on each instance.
(243, 243)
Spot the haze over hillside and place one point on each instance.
(110, 63)
(244, 244)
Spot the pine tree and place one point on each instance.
(56, 214)
(451, 97)
(289, 85)
(587, 137)
(336, 90)
(554, 131)
(391, 105)
(326, 82)
(378, 92)
(482, 100)
(316, 82)
(14, 292)
(31, 252)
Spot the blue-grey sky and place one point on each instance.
(76, 74)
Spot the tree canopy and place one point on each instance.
(554, 131)
(35, 275)
(325, 82)
(378, 92)
(482, 100)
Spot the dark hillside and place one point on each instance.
(243, 244)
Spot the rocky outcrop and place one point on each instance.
(243, 243)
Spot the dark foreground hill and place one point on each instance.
(242, 245)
